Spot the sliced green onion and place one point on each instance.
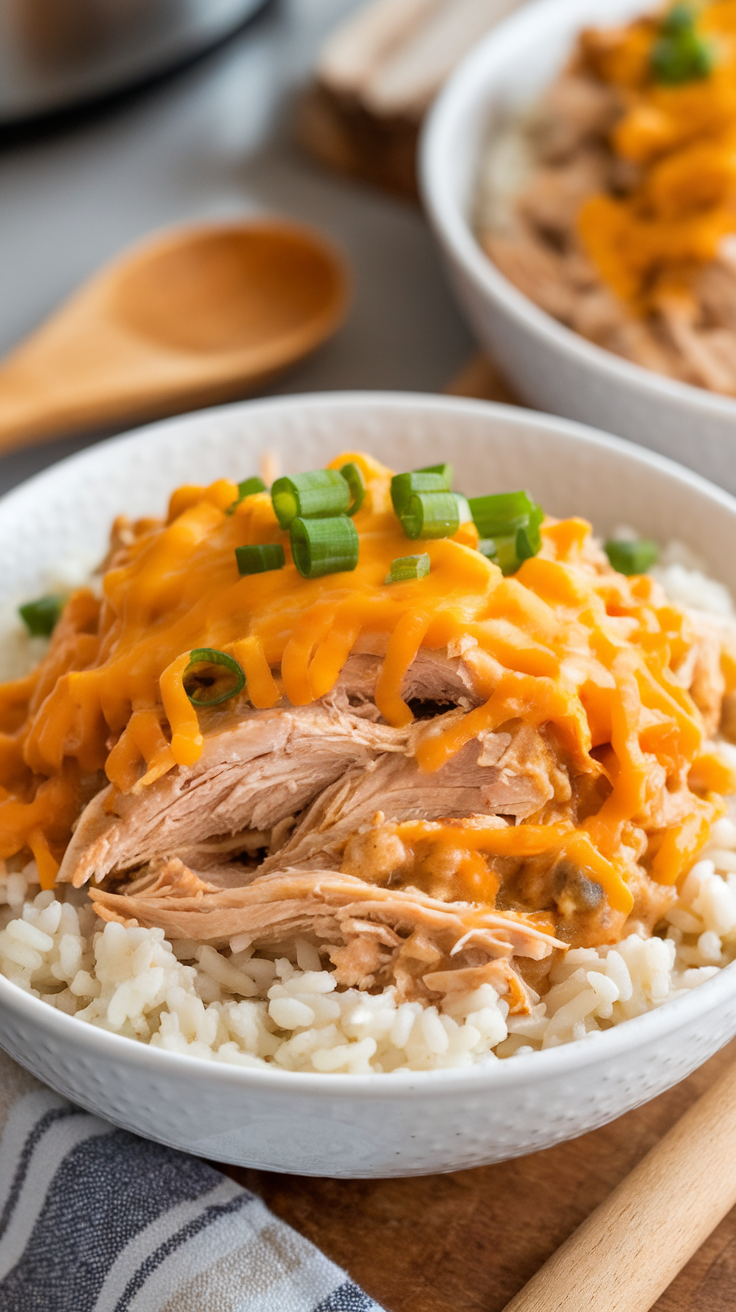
(324, 546)
(41, 617)
(404, 486)
(508, 524)
(316, 495)
(445, 471)
(510, 551)
(632, 557)
(430, 515)
(532, 530)
(528, 542)
(260, 559)
(408, 567)
(502, 551)
(212, 677)
(463, 508)
(504, 513)
(680, 54)
(248, 488)
(679, 19)
(354, 480)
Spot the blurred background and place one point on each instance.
(121, 117)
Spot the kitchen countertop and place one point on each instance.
(212, 141)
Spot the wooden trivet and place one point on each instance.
(376, 77)
(481, 379)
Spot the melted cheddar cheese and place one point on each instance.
(565, 643)
(679, 141)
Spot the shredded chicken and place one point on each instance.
(538, 782)
(256, 769)
(338, 910)
(588, 139)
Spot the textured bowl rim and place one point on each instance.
(454, 231)
(563, 1060)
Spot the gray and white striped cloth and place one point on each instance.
(94, 1219)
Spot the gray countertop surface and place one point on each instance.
(209, 142)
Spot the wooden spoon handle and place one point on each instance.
(54, 384)
(38, 418)
(630, 1249)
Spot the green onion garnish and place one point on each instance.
(445, 471)
(212, 677)
(41, 617)
(504, 513)
(430, 515)
(632, 557)
(509, 552)
(324, 546)
(321, 493)
(354, 480)
(246, 489)
(508, 525)
(260, 559)
(404, 486)
(502, 551)
(487, 547)
(680, 54)
(528, 542)
(408, 567)
(463, 508)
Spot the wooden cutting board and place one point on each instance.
(468, 1241)
(377, 75)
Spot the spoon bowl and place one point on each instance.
(192, 317)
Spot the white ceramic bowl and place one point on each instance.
(550, 366)
(349, 1125)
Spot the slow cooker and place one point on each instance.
(55, 54)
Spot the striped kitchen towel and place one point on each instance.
(94, 1219)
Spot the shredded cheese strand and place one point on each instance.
(565, 646)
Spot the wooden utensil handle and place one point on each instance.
(630, 1249)
(24, 424)
(39, 403)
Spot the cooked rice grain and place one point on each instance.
(250, 1011)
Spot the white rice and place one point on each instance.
(19, 652)
(506, 169)
(245, 1009)
(683, 576)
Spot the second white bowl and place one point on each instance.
(550, 366)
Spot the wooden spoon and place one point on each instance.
(631, 1247)
(197, 315)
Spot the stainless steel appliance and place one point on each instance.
(58, 53)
